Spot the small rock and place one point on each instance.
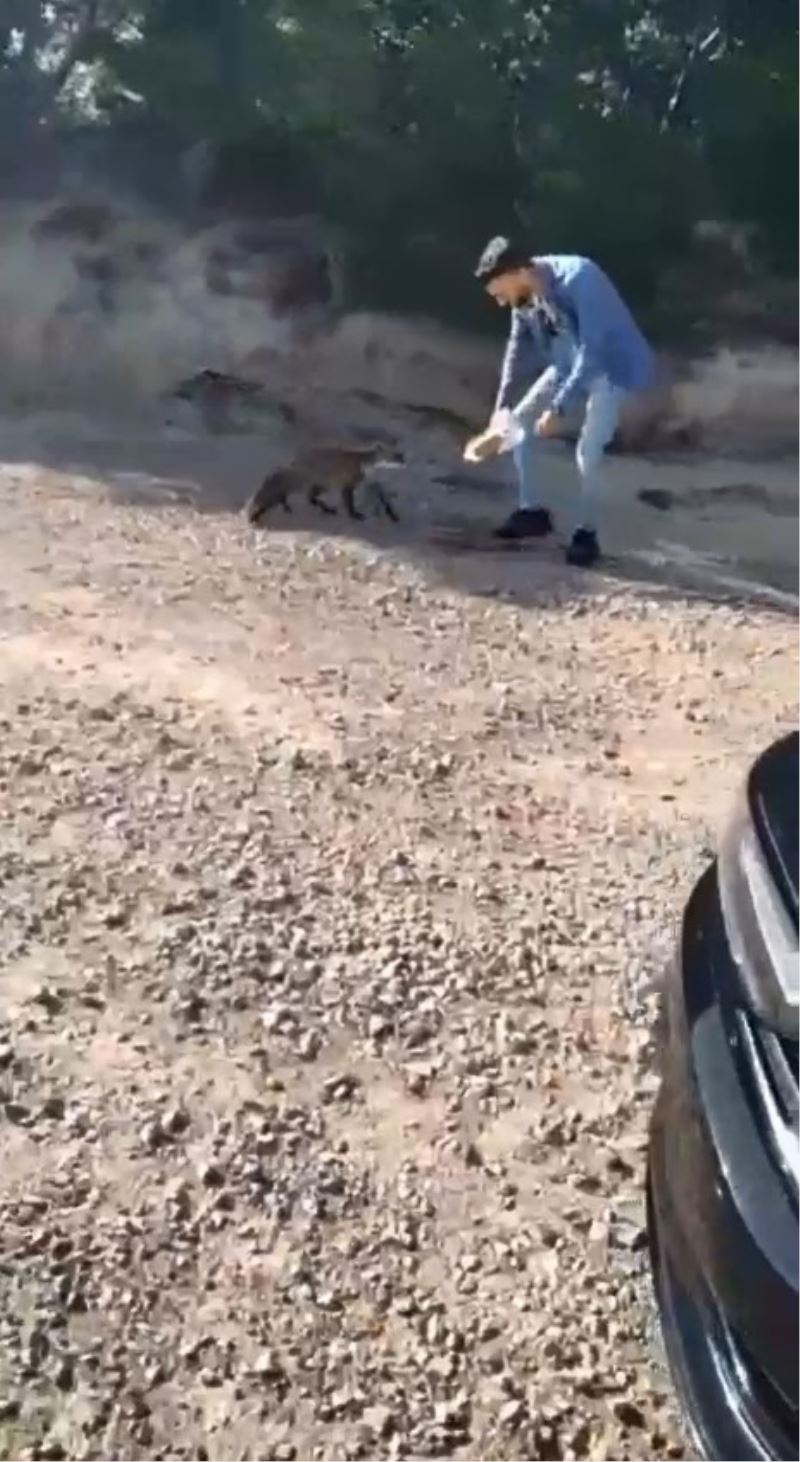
(152, 1136)
(176, 1121)
(629, 1235)
(65, 1374)
(380, 1420)
(277, 1018)
(628, 1413)
(454, 1413)
(267, 1366)
(512, 1414)
(212, 1176)
(656, 497)
(49, 999)
(472, 1155)
(309, 1046)
(340, 1088)
(17, 1112)
(418, 1076)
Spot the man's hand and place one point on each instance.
(547, 424)
(488, 444)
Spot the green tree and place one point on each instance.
(418, 126)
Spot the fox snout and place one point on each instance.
(389, 453)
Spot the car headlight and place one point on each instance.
(762, 937)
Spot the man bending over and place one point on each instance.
(596, 353)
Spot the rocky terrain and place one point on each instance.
(335, 879)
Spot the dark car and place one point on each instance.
(723, 1156)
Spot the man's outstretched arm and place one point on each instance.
(512, 362)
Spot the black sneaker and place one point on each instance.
(584, 550)
(526, 523)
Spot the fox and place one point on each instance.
(338, 467)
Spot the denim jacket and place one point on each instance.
(603, 337)
(538, 339)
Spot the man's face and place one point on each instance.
(514, 289)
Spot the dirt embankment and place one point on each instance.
(104, 302)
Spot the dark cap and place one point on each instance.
(501, 256)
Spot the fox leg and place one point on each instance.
(259, 503)
(385, 502)
(315, 499)
(349, 501)
(267, 497)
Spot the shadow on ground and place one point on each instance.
(714, 535)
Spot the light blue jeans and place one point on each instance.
(599, 424)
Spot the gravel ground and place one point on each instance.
(333, 890)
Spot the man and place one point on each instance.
(595, 352)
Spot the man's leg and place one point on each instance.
(599, 426)
(524, 454)
(531, 519)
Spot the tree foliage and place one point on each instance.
(417, 127)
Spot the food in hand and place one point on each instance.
(480, 448)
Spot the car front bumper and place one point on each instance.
(723, 1233)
